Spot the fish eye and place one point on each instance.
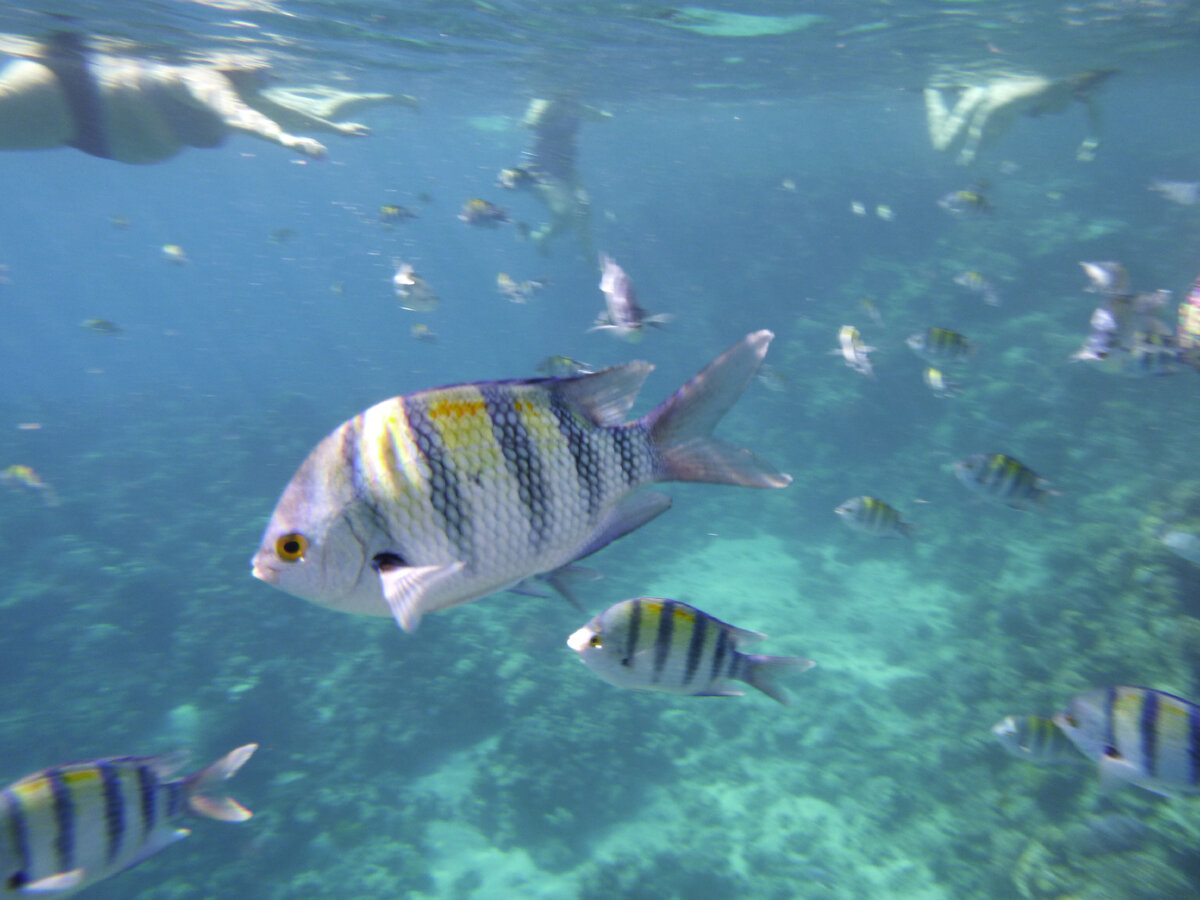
(291, 547)
(596, 641)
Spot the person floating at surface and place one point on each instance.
(549, 170)
(61, 93)
(982, 112)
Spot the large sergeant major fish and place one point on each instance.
(441, 497)
(70, 826)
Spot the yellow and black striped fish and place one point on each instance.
(653, 644)
(1139, 735)
(1035, 739)
(70, 826)
(871, 515)
(1001, 479)
(444, 496)
(940, 346)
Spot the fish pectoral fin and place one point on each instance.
(630, 514)
(408, 591)
(58, 883)
(726, 692)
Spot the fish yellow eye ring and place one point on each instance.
(596, 641)
(291, 547)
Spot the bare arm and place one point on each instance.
(211, 89)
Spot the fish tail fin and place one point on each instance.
(225, 809)
(759, 672)
(680, 428)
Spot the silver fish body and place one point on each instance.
(70, 826)
(1001, 479)
(870, 515)
(441, 497)
(655, 644)
(1137, 735)
(1035, 739)
(622, 315)
(1183, 544)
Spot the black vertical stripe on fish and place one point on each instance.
(662, 639)
(719, 654)
(635, 627)
(521, 459)
(583, 452)
(114, 808)
(1148, 732)
(1110, 704)
(18, 828)
(445, 497)
(147, 782)
(64, 818)
(1194, 745)
(175, 791)
(695, 646)
(624, 442)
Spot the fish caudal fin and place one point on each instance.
(759, 672)
(226, 809)
(680, 428)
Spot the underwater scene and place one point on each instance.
(583, 450)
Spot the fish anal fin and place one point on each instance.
(59, 883)
(630, 514)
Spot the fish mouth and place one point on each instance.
(263, 572)
(579, 640)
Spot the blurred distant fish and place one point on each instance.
(517, 291)
(116, 221)
(940, 346)
(872, 516)
(564, 367)
(853, 351)
(393, 213)
(482, 213)
(622, 314)
(937, 382)
(1035, 739)
(100, 326)
(872, 311)
(1105, 277)
(1137, 735)
(885, 212)
(423, 333)
(173, 253)
(1185, 193)
(72, 825)
(858, 208)
(24, 478)
(772, 379)
(282, 235)
(1002, 479)
(654, 644)
(977, 284)
(1183, 544)
(440, 497)
(413, 291)
(969, 201)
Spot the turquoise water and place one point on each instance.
(477, 758)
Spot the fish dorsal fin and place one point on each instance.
(167, 764)
(606, 397)
(744, 637)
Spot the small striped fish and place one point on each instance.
(1139, 735)
(444, 496)
(70, 826)
(651, 644)
(1035, 739)
(1001, 479)
(940, 346)
(870, 515)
